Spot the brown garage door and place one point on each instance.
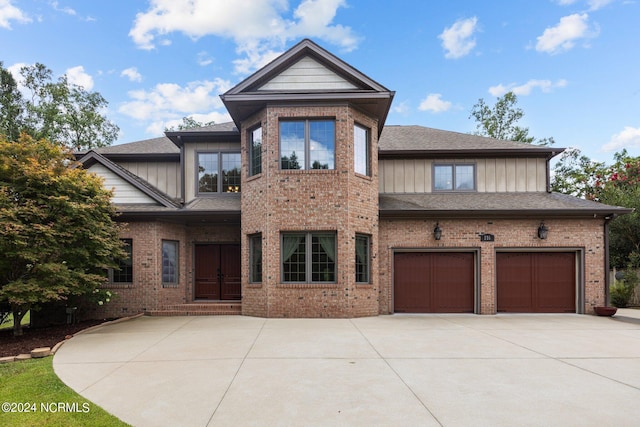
(430, 282)
(536, 282)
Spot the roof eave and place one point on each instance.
(539, 152)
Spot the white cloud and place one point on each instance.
(434, 103)
(67, 10)
(593, 4)
(400, 107)
(204, 59)
(132, 74)
(77, 76)
(167, 103)
(563, 36)
(263, 30)
(457, 40)
(8, 13)
(525, 89)
(627, 138)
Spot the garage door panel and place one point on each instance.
(429, 282)
(536, 282)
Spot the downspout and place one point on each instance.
(182, 177)
(607, 276)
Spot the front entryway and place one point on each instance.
(217, 272)
(433, 282)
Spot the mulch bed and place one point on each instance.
(39, 337)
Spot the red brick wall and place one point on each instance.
(325, 200)
(575, 234)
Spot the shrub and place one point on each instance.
(622, 291)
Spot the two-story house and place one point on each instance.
(308, 205)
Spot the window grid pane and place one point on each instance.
(323, 266)
(464, 177)
(292, 145)
(443, 177)
(124, 273)
(256, 152)
(362, 259)
(207, 172)
(294, 267)
(256, 259)
(231, 172)
(322, 144)
(169, 262)
(361, 150)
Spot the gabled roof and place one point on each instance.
(253, 93)
(93, 157)
(529, 204)
(420, 141)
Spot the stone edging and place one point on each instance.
(46, 351)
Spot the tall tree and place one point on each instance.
(11, 105)
(57, 233)
(188, 123)
(58, 111)
(500, 121)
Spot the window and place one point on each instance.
(218, 173)
(169, 262)
(307, 144)
(362, 258)
(124, 272)
(255, 258)
(455, 177)
(308, 257)
(255, 151)
(361, 150)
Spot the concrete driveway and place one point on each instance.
(401, 370)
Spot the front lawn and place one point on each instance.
(32, 395)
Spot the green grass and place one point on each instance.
(32, 383)
(8, 323)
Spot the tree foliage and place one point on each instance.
(189, 123)
(501, 121)
(57, 233)
(58, 111)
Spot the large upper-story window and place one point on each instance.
(255, 151)
(361, 150)
(218, 173)
(307, 144)
(454, 177)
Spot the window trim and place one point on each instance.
(308, 242)
(367, 238)
(129, 242)
(251, 152)
(453, 166)
(219, 191)
(252, 239)
(307, 138)
(176, 280)
(367, 132)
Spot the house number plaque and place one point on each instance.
(487, 237)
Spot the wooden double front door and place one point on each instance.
(217, 272)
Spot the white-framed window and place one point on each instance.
(308, 257)
(307, 144)
(170, 259)
(361, 150)
(454, 177)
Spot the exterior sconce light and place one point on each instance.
(437, 232)
(542, 231)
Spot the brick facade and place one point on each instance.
(585, 237)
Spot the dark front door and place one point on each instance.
(217, 272)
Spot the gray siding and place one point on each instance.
(492, 175)
(124, 192)
(165, 176)
(307, 74)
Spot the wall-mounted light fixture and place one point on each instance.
(437, 232)
(542, 231)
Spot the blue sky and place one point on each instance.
(574, 64)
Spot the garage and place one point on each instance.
(433, 282)
(537, 282)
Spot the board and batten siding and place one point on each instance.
(307, 74)
(165, 176)
(492, 175)
(190, 161)
(124, 192)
